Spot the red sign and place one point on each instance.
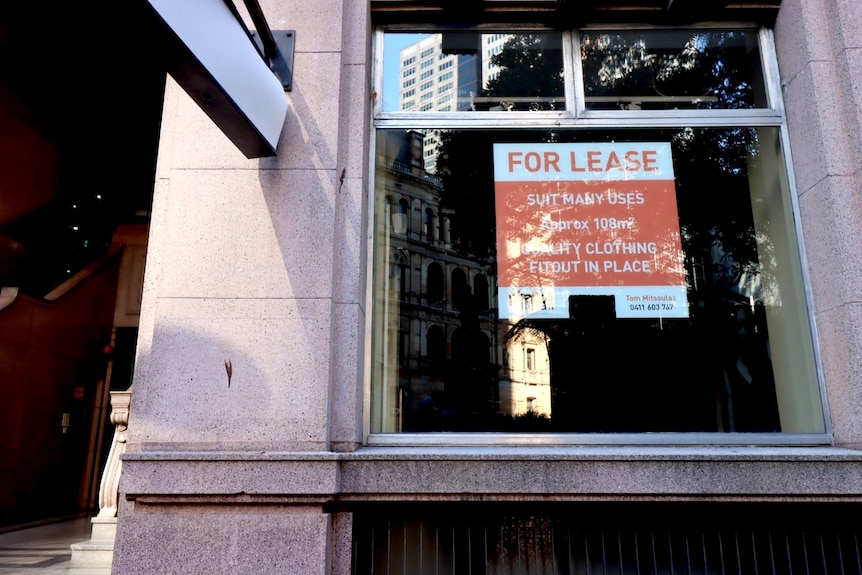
(588, 219)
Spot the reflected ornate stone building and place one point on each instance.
(456, 367)
(439, 299)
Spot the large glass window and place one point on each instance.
(594, 276)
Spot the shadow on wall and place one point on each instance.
(223, 372)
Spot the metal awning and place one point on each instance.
(211, 54)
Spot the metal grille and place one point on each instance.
(608, 539)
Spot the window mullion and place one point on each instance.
(771, 74)
(377, 79)
(573, 74)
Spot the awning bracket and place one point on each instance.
(276, 48)
(281, 61)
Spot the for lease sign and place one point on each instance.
(588, 219)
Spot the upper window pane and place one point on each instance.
(469, 71)
(672, 70)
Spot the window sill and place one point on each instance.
(579, 440)
(601, 472)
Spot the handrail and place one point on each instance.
(113, 252)
(7, 296)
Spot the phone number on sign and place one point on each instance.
(651, 306)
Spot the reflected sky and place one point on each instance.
(392, 45)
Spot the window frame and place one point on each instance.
(577, 116)
(575, 113)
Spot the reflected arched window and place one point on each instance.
(430, 225)
(401, 217)
(434, 290)
(459, 351)
(403, 341)
(436, 342)
(387, 213)
(480, 290)
(484, 344)
(530, 358)
(460, 288)
(401, 272)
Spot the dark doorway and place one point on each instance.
(80, 108)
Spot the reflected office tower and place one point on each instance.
(446, 73)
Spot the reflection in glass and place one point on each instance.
(468, 71)
(668, 70)
(443, 360)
